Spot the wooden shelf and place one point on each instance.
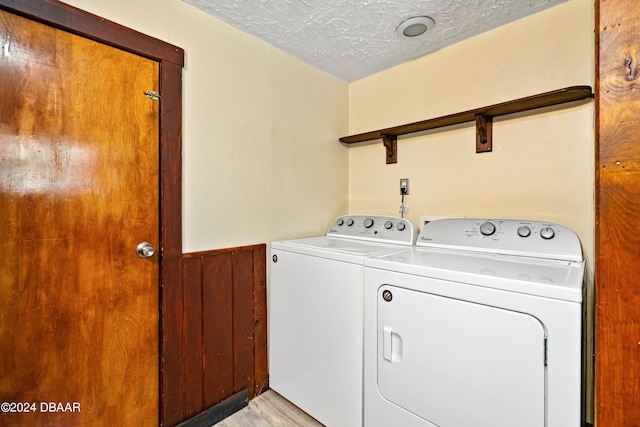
(482, 116)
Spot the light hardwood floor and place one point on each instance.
(269, 409)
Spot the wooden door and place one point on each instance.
(79, 188)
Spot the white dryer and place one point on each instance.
(478, 325)
(315, 314)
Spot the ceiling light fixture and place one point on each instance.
(415, 26)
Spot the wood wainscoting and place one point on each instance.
(225, 325)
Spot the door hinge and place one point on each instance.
(152, 94)
(545, 351)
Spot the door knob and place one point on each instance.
(145, 250)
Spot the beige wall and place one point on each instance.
(542, 165)
(260, 157)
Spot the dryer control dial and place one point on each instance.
(524, 231)
(388, 225)
(547, 233)
(487, 228)
(368, 223)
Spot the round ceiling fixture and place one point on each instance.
(415, 26)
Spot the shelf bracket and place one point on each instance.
(391, 146)
(484, 125)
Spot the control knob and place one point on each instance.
(339, 222)
(350, 222)
(401, 226)
(487, 228)
(368, 223)
(388, 225)
(524, 231)
(547, 233)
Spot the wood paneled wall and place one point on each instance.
(617, 310)
(224, 326)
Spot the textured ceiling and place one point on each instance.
(352, 39)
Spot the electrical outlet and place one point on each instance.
(404, 185)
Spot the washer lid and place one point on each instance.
(340, 249)
(533, 276)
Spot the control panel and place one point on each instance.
(503, 236)
(374, 228)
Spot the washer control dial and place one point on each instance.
(524, 231)
(547, 233)
(368, 223)
(340, 222)
(401, 226)
(350, 222)
(388, 225)
(487, 228)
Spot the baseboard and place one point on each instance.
(218, 412)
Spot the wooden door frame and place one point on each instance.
(171, 61)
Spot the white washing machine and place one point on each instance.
(315, 314)
(480, 324)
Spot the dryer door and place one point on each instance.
(457, 363)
